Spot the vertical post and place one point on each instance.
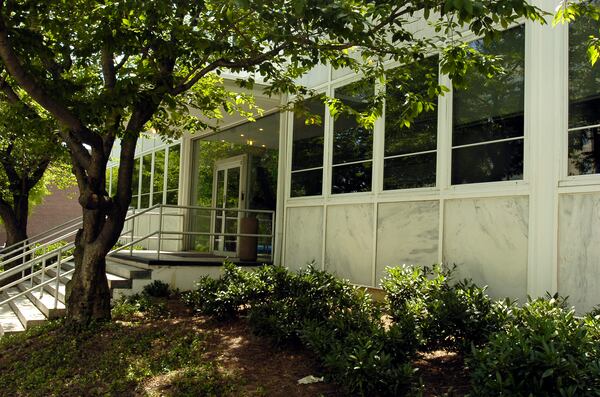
(43, 276)
(132, 233)
(160, 224)
(58, 264)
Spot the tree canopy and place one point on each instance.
(111, 69)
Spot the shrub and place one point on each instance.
(229, 295)
(127, 307)
(157, 289)
(445, 315)
(544, 351)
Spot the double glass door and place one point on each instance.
(229, 186)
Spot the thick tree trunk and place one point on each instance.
(15, 224)
(88, 295)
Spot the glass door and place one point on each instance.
(229, 187)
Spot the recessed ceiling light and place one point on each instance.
(250, 142)
(261, 129)
(264, 145)
(241, 134)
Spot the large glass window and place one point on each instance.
(173, 175)
(135, 183)
(158, 177)
(487, 137)
(307, 150)
(146, 181)
(352, 143)
(410, 153)
(584, 101)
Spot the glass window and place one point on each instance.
(410, 153)
(158, 177)
(135, 183)
(173, 175)
(114, 178)
(307, 150)
(487, 137)
(352, 143)
(584, 101)
(146, 181)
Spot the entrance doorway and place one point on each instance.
(229, 191)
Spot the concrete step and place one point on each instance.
(127, 270)
(114, 281)
(127, 260)
(9, 322)
(26, 311)
(45, 302)
(51, 287)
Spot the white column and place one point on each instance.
(545, 123)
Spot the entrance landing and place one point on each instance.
(184, 258)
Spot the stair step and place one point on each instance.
(127, 271)
(26, 311)
(45, 302)
(9, 322)
(51, 287)
(114, 281)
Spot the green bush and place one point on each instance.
(445, 315)
(545, 350)
(127, 307)
(157, 289)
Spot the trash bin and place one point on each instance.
(247, 248)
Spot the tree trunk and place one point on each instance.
(88, 295)
(15, 225)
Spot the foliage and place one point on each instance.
(338, 322)
(157, 289)
(127, 308)
(569, 11)
(444, 314)
(544, 351)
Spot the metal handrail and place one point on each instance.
(39, 237)
(39, 247)
(129, 234)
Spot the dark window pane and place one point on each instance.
(307, 148)
(157, 198)
(409, 172)
(492, 108)
(584, 79)
(144, 201)
(352, 178)
(500, 161)
(421, 136)
(134, 202)
(159, 172)
(173, 170)
(146, 173)
(584, 151)
(115, 180)
(135, 177)
(352, 142)
(307, 183)
(172, 197)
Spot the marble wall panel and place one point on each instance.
(487, 239)
(349, 242)
(407, 233)
(304, 237)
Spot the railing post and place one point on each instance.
(160, 223)
(58, 264)
(132, 233)
(43, 276)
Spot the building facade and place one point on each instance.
(502, 179)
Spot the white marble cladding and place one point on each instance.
(349, 242)
(304, 237)
(487, 239)
(407, 233)
(579, 249)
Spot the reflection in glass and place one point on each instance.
(307, 183)
(135, 183)
(421, 136)
(584, 151)
(114, 177)
(408, 172)
(492, 108)
(500, 161)
(351, 178)
(584, 79)
(351, 141)
(158, 177)
(173, 171)
(307, 147)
